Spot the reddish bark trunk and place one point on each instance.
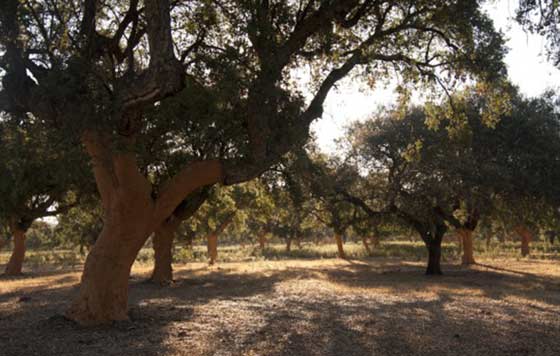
(340, 246)
(262, 241)
(212, 248)
(468, 246)
(288, 244)
(130, 216)
(163, 253)
(213, 239)
(15, 264)
(526, 238)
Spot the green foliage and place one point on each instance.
(542, 17)
(38, 177)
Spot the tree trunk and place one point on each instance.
(434, 258)
(526, 238)
(289, 244)
(103, 295)
(298, 242)
(262, 241)
(212, 248)
(340, 246)
(162, 242)
(366, 246)
(15, 264)
(468, 246)
(131, 215)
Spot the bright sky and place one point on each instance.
(527, 66)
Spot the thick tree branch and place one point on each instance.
(193, 176)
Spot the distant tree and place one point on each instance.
(435, 178)
(542, 17)
(38, 178)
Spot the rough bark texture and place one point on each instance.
(434, 258)
(15, 264)
(526, 238)
(288, 244)
(212, 248)
(468, 247)
(213, 239)
(165, 234)
(163, 257)
(340, 246)
(131, 215)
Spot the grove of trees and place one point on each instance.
(194, 115)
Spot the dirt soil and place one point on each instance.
(319, 307)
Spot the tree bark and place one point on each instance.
(526, 238)
(213, 238)
(434, 258)
(262, 241)
(366, 246)
(289, 244)
(468, 246)
(15, 264)
(164, 235)
(131, 215)
(163, 253)
(212, 248)
(340, 246)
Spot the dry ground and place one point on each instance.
(300, 307)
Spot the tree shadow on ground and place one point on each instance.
(356, 308)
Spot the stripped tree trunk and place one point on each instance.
(164, 235)
(468, 246)
(262, 241)
(213, 239)
(340, 246)
(212, 248)
(15, 264)
(131, 215)
(526, 238)
(163, 252)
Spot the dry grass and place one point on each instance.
(376, 306)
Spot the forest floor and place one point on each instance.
(375, 306)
